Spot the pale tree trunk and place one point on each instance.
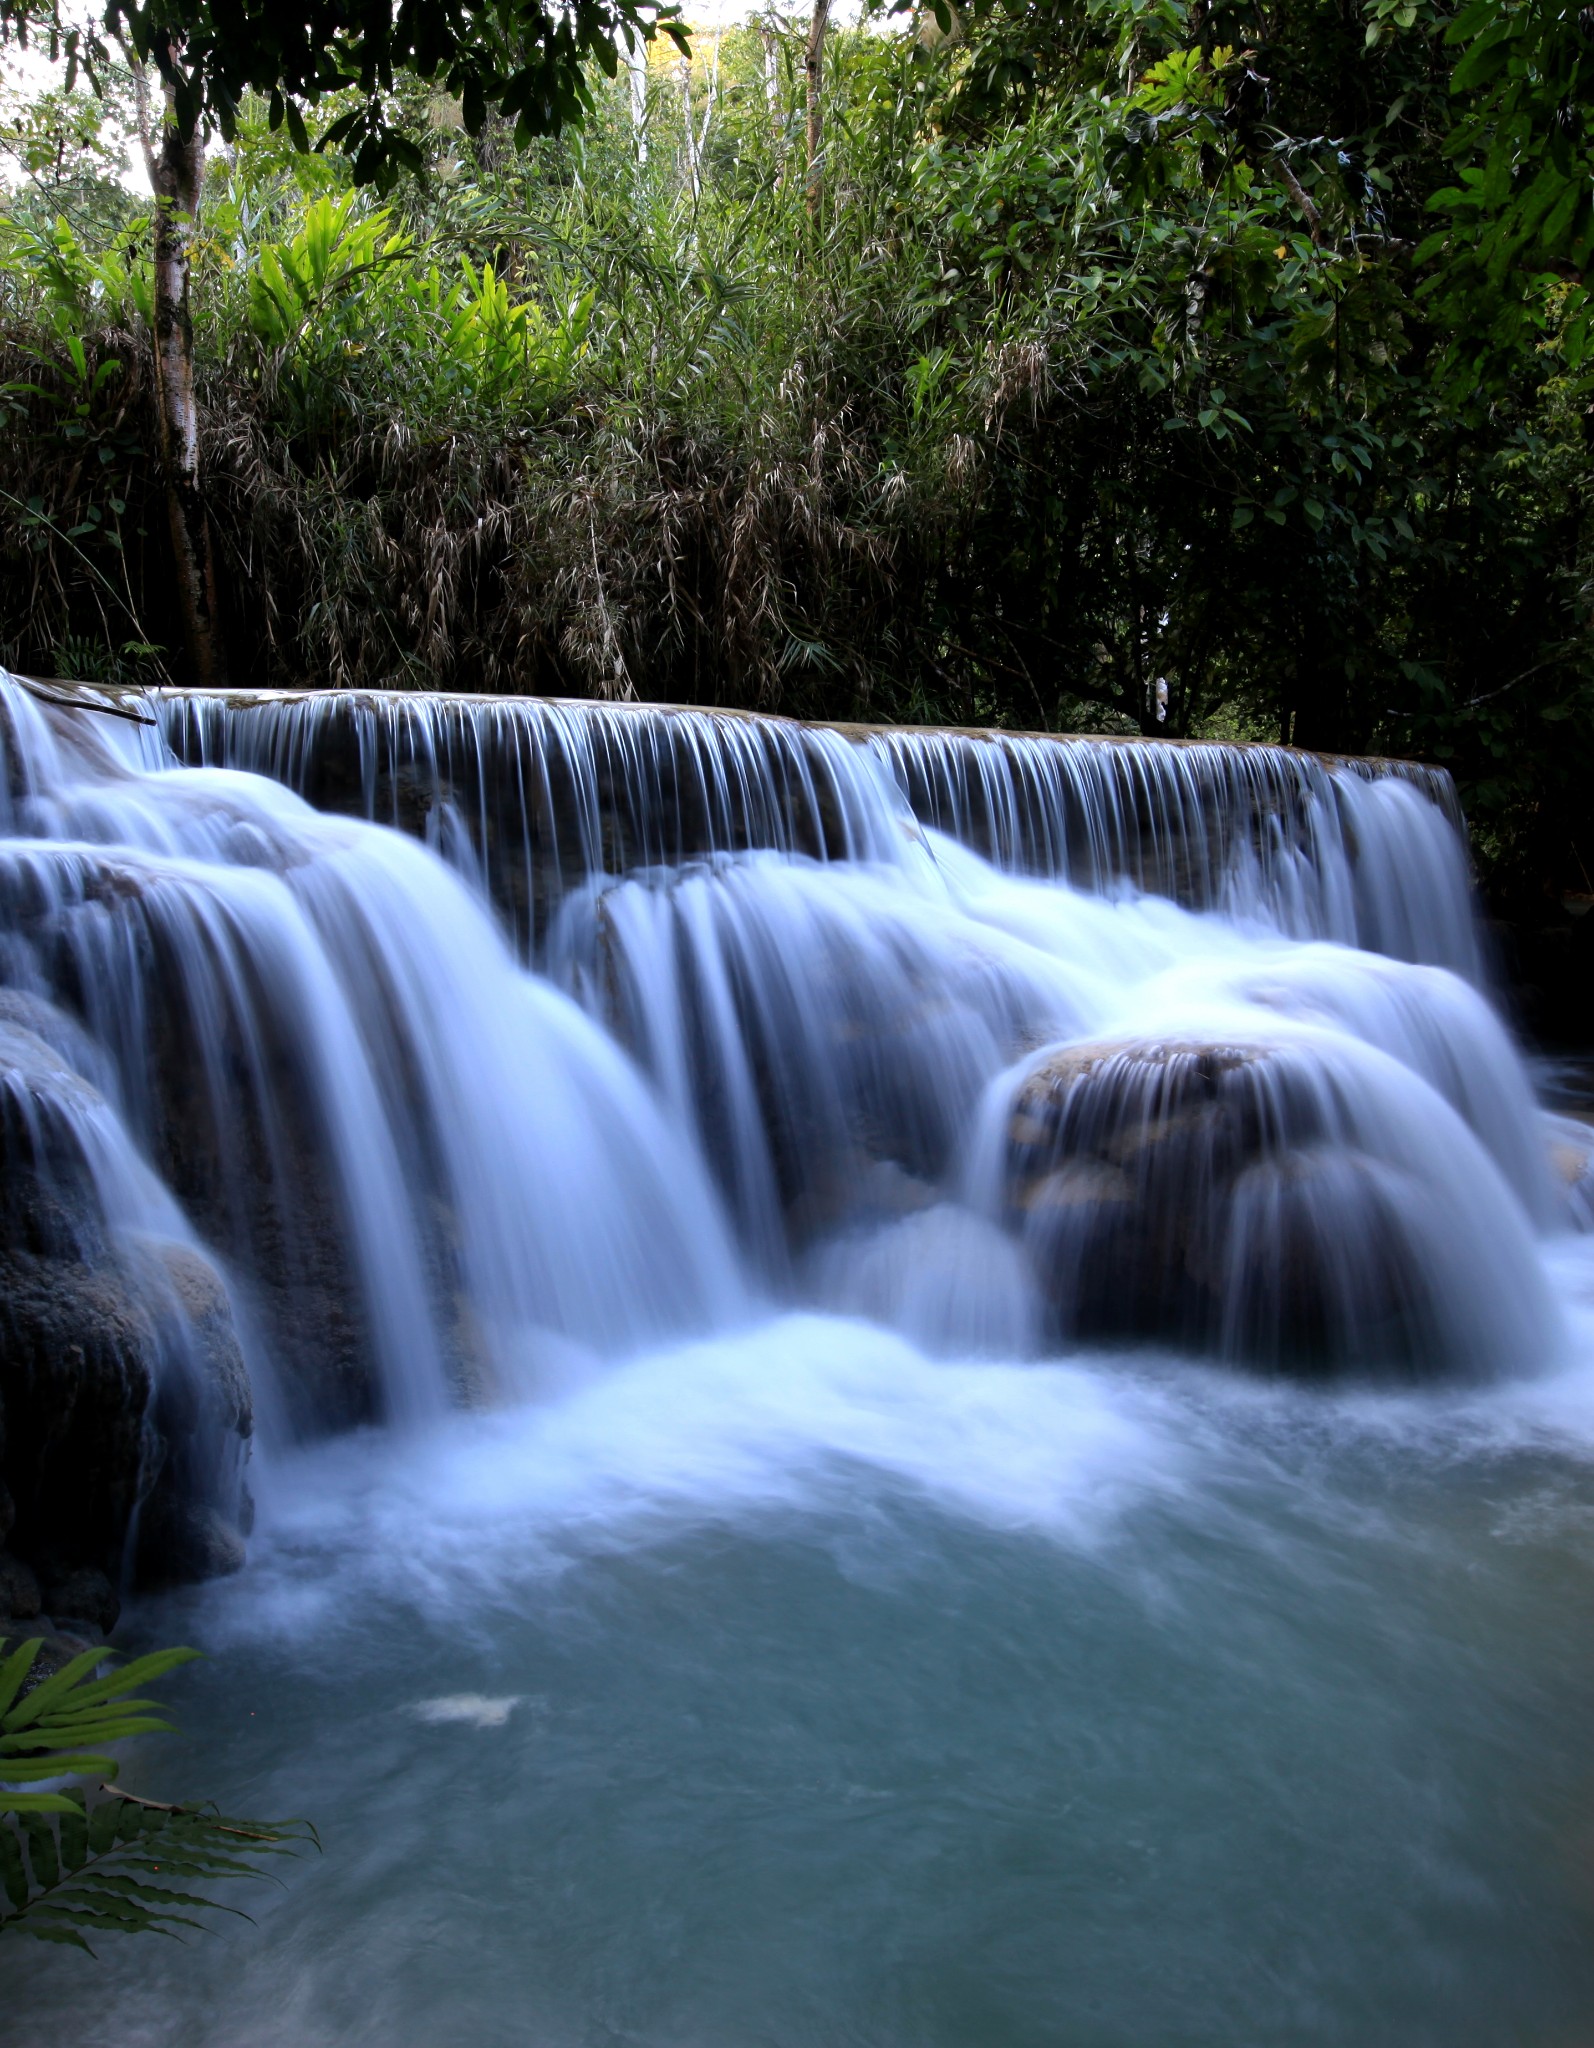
(814, 67)
(684, 73)
(176, 166)
(708, 106)
(767, 36)
(637, 68)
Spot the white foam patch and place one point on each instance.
(809, 1417)
(804, 1414)
(467, 1709)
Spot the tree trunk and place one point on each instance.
(777, 118)
(684, 72)
(637, 70)
(176, 166)
(814, 66)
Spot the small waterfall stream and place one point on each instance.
(686, 1122)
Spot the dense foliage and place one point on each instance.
(74, 1862)
(1188, 368)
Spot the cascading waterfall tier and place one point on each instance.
(647, 1023)
(539, 797)
(425, 1175)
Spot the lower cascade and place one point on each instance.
(316, 1118)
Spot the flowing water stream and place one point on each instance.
(915, 1390)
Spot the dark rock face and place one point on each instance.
(1205, 1196)
(77, 1355)
(82, 1602)
(182, 1541)
(19, 1589)
(122, 1386)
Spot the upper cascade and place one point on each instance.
(539, 796)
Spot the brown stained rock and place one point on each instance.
(1080, 1183)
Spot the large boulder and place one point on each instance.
(1207, 1196)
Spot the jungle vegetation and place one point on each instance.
(1198, 367)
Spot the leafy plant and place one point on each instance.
(72, 1864)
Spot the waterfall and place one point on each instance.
(537, 797)
(647, 1023)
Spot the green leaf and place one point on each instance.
(53, 1690)
(129, 1676)
(17, 1666)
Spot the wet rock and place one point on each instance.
(19, 1590)
(84, 1597)
(57, 1646)
(1204, 1196)
(49, 1203)
(77, 1357)
(253, 1170)
(190, 1526)
(190, 1299)
(120, 1368)
(181, 1542)
(855, 1191)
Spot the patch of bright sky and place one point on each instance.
(24, 73)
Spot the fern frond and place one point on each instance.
(70, 1867)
